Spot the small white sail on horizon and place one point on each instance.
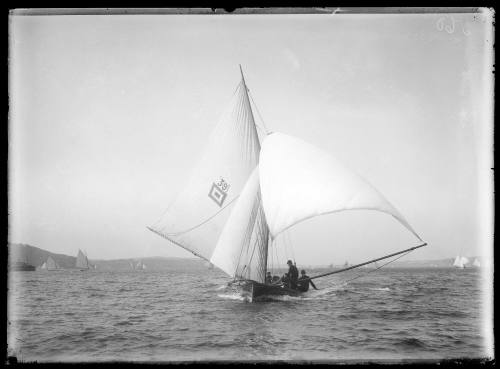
(51, 264)
(82, 261)
(476, 263)
(460, 262)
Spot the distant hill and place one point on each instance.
(36, 256)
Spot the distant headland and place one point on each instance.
(28, 255)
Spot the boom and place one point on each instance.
(368, 262)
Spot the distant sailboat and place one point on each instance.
(43, 266)
(240, 197)
(140, 266)
(476, 263)
(51, 264)
(460, 262)
(82, 262)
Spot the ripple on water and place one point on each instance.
(168, 316)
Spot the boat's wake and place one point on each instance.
(231, 292)
(234, 296)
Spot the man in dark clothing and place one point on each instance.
(293, 274)
(303, 282)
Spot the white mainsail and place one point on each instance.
(299, 181)
(44, 266)
(81, 260)
(197, 216)
(241, 251)
(51, 264)
(476, 263)
(460, 261)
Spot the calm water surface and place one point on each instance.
(189, 315)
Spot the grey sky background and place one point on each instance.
(109, 113)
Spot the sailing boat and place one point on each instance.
(241, 196)
(476, 263)
(51, 264)
(460, 262)
(140, 266)
(82, 262)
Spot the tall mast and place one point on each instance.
(247, 100)
(242, 76)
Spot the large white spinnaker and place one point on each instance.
(299, 181)
(196, 217)
(241, 251)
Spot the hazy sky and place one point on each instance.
(109, 113)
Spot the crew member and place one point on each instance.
(293, 274)
(304, 281)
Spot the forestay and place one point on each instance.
(241, 250)
(196, 217)
(299, 181)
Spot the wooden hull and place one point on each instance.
(23, 267)
(255, 291)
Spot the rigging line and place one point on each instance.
(203, 222)
(289, 237)
(286, 239)
(247, 237)
(177, 243)
(258, 112)
(374, 270)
